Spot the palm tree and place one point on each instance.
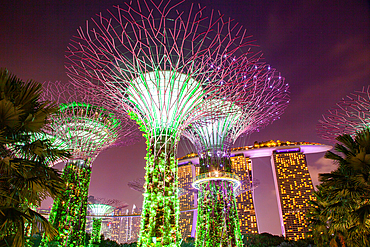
(25, 178)
(317, 215)
(344, 195)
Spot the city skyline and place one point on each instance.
(322, 49)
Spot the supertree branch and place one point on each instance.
(350, 115)
(99, 207)
(85, 127)
(164, 67)
(262, 100)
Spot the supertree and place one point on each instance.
(261, 101)
(85, 125)
(98, 208)
(164, 67)
(351, 114)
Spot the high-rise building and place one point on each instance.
(294, 186)
(116, 225)
(242, 167)
(292, 180)
(185, 175)
(135, 220)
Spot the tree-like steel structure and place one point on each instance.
(98, 208)
(85, 125)
(261, 101)
(351, 114)
(164, 67)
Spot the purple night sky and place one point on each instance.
(322, 48)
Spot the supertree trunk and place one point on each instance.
(159, 223)
(95, 233)
(68, 214)
(218, 221)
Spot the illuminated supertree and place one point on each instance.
(84, 125)
(351, 115)
(98, 208)
(261, 101)
(164, 67)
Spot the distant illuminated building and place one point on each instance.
(185, 174)
(242, 167)
(134, 224)
(292, 180)
(125, 228)
(116, 225)
(294, 184)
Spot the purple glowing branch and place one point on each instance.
(145, 40)
(262, 99)
(351, 115)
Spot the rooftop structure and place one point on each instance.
(85, 127)
(163, 66)
(350, 115)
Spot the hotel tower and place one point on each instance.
(293, 185)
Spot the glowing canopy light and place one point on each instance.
(78, 123)
(170, 95)
(209, 133)
(352, 114)
(100, 209)
(85, 124)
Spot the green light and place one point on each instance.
(164, 97)
(68, 214)
(100, 209)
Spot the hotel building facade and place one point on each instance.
(293, 185)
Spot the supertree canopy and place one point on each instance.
(99, 207)
(262, 100)
(84, 126)
(165, 67)
(352, 114)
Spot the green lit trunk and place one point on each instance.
(95, 233)
(218, 221)
(68, 214)
(160, 215)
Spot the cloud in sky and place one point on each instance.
(322, 165)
